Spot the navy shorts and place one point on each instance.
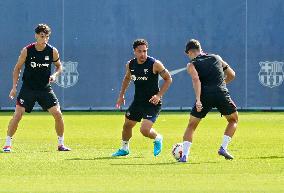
(137, 111)
(221, 100)
(45, 98)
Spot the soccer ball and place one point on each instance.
(177, 150)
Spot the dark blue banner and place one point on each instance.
(94, 39)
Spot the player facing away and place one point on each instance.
(144, 71)
(210, 74)
(36, 87)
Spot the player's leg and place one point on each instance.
(191, 127)
(195, 118)
(25, 103)
(228, 134)
(127, 133)
(12, 127)
(48, 101)
(150, 115)
(188, 136)
(227, 108)
(13, 124)
(58, 118)
(59, 126)
(127, 129)
(232, 124)
(126, 136)
(132, 116)
(147, 130)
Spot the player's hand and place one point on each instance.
(155, 99)
(120, 100)
(198, 105)
(13, 93)
(52, 78)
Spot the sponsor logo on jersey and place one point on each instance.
(69, 76)
(46, 58)
(271, 73)
(134, 78)
(34, 65)
(145, 71)
(141, 78)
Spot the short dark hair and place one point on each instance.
(192, 44)
(43, 28)
(139, 42)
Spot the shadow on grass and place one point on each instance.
(6, 152)
(101, 158)
(164, 163)
(47, 151)
(266, 157)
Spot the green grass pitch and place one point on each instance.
(35, 166)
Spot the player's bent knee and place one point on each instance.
(145, 132)
(127, 126)
(233, 121)
(234, 118)
(57, 115)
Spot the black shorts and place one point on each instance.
(221, 100)
(137, 111)
(45, 98)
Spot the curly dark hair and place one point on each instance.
(192, 44)
(43, 28)
(139, 42)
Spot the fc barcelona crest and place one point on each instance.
(69, 76)
(271, 73)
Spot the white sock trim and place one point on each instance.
(159, 137)
(60, 140)
(226, 140)
(8, 141)
(125, 145)
(186, 148)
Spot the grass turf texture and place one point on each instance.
(35, 166)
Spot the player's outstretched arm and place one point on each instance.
(196, 85)
(58, 65)
(17, 71)
(164, 73)
(125, 83)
